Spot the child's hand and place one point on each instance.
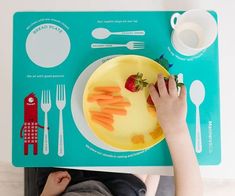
(56, 183)
(171, 108)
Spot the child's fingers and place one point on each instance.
(161, 86)
(153, 93)
(62, 174)
(58, 176)
(64, 182)
(172, 86)
(182, 92)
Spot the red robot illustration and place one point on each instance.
(30, 126)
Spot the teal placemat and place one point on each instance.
(76, 28)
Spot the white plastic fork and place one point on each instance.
(60, 104)
(132, 45)
(46, 106)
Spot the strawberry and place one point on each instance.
(178, 84)
(149, 100)
(135, 83)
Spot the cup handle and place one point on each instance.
(173, 17)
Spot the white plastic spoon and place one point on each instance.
(197, 95)
(102, 33)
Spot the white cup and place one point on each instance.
(193, 31)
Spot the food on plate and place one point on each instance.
(136, 139)
(150, 101)
(103, 119)
(135, 83)
(95, 97)
(111, 103)
(116, 111)
(152, 110)
(156, 133)
(122, 104)
(115, 99)
(101, 114)
(108, 126)
(113, 89)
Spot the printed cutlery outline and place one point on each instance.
(131, 45)
(103, 33)
(45, 106)
(60, 104)
(197, 95)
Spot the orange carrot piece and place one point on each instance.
(91, 99)
(156, 133)
(101, 96)
(108, 88)
(102, 93)
(121, 104)
(152, 110)
(101, 114)
(105, 125)
(118, 97)
(109, 101)
(136, 139)
(103, 119)
(115, 111)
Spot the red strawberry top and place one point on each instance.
(135, 83)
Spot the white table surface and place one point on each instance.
(226, 15)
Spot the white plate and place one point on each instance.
(77, 109)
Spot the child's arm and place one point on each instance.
(171, 113)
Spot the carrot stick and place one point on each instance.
(105, 125)
(100, 97)
(103, 119)
(108, 88)
(109, 101)
(100, 116)
(118, 97)
(91, 99)
(123, 104)
(115, 111)
(103, 114)
(102, 93)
